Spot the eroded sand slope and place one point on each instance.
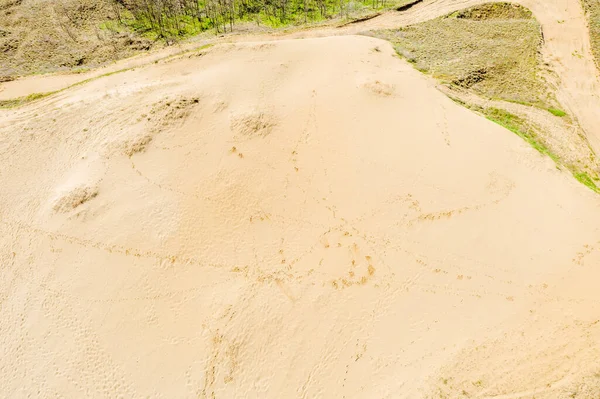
(305, 218)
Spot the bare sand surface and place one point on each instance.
(288, 219)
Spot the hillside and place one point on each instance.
(39, 36)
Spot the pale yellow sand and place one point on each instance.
(293, 219)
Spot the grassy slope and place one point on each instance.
(39, 36)
(491, 50)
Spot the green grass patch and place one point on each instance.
(520, 128)
(584, 178)
(17, 102)
(527, 133)
(557, 112)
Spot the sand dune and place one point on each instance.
(300, 218)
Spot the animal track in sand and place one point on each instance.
(587, 250)
(219, 106)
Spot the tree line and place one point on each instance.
(167, 18)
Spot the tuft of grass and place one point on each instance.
(587, 180)
(557, 112)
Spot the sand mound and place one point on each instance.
(255, 124)
(363, 245)
(380, 88)
(74, 198)
(136, 145)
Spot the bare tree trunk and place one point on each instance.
(305, 12)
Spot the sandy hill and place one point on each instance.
(301, 218)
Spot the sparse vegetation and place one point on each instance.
(592, 10)
(492, 11)
(492, 50)
(16, 102)
(40, 36)
(581, 169)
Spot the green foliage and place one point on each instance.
(17, 102)
(159, 19)
(557, 112)
(585, 179)
(170, 25)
